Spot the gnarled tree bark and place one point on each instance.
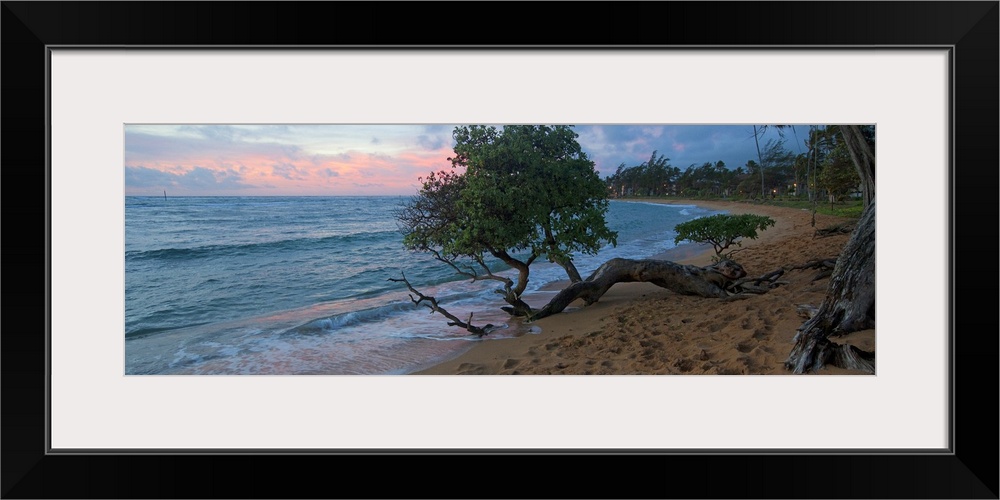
(863, 157)
(848, 307)
(710, 281)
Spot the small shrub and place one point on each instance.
(722, 230)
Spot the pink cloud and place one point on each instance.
(288, 170)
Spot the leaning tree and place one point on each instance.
(515, 194)
(523, 193)
(849, 305)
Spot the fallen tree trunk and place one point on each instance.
(710, 281)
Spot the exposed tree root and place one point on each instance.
(812, 353)
(825, 266)
(769, 281)
(734, 298)
(842, 228)
(828, 263)
(807, 311)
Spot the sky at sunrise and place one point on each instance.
(362, 160)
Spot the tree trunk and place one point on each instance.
(708, 281)
(849, 306)
(512, 295)
(574, 275)
(811, 164)
(566, 264)
(863, 157)
(756, 141)
(850, 298)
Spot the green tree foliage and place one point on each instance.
(830, 159)
(838, 174)
(722, 230)
(517, 193)
(654, 177)
(748, 180)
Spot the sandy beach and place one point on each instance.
(642, 329)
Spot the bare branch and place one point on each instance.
(471, 272)
(730, 254)
(432, 304)
(489, 274)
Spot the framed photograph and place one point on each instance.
(96, 108)
(281, 248)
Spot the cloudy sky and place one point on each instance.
(339, 160)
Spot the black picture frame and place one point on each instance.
(969, 471)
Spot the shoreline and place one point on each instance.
(642, 329)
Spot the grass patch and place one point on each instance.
(850, 209)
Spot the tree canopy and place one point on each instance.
(533, 188)
(838, 174)
(722, 230)
(517, 194)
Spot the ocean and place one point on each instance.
(300, 285)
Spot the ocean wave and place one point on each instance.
(668, 205)
(143, 332)
(244, 248)
(344, 320)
